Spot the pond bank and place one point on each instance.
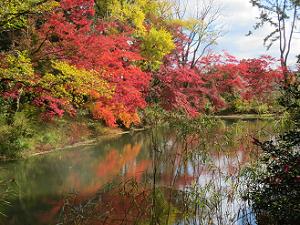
(246, 116)
(89, 138)
(112, 133)
(89, 142)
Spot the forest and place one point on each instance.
(74, 71)
(106, 61)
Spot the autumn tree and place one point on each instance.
(179, 84)
(244, 79)
(148, 21)
(73, 57)
(103, 46)
(14, 16)
(14, 13)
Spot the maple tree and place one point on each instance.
(81, 62)
(90, 45)
(215, 81)
(248, 78)
(77, 58)
(148, 20)
(179, 88)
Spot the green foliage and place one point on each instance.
(125, 11)
(129, 12)
(154, 115)
(285, 122)
(236, 104)
(290, 98)
(189, 126)
(14, 134)
(163, 212)
(275, 180)
(253, 106)
(102, 7)
(50, 137)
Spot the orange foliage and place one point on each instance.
(129, 119)
(104, 113)
(110, 114)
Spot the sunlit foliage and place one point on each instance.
(14, 13)
(109, 59)
(75, 85)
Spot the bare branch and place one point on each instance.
(282, 15)
(203, 31)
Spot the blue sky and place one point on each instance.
(238, 17)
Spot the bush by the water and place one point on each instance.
(275, 180)
(14, 132)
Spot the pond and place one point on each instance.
(159, 176)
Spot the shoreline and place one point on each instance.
(87, 142)
(246, 116)
(112, 135)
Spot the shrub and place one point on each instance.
(290, 98)
(13, 134)
(253, 106)
(275, 180)
(154, 115)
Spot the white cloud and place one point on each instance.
(238, 17)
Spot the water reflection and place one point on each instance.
(156, 177)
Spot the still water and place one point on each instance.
(159, 176)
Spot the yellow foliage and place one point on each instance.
(136, 13)
(129, 12)
(157, 44)
(73, 84)
(13, 13)
(189, 24)
(141, 14)
(46, 6)
(129, 118)
(18, 68)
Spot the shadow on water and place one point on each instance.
(162, 176)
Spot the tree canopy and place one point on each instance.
(113, 58)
